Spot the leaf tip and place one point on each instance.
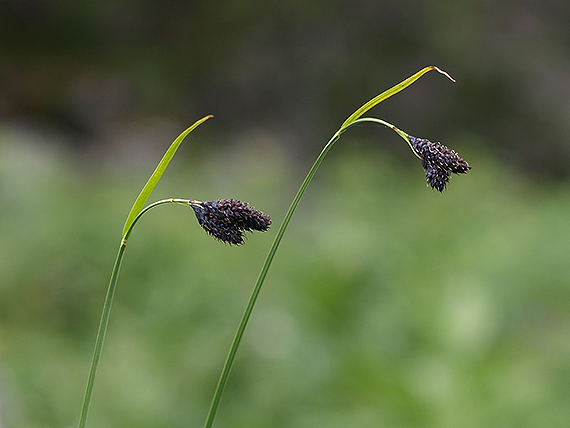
(439, 70)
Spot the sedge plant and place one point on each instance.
(227, 220)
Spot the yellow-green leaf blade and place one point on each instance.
(157, 174)
(388, 93)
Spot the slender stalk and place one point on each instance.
(104, 323)
(257, 288)
(398, 131)
(265, 268)
(101, 335)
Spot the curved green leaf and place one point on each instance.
(388, 93)
(155, 177)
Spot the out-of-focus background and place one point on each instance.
(388, 304)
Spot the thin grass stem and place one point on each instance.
(265, 268)
(259, 283)
(104, 322)
(397, 130)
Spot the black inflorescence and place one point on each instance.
(438, 162)
(228, 219)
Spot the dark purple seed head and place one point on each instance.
(228, 219)
(438, 162)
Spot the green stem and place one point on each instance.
(398, 131)
(261, 278)
(104, 323)
(265, 268)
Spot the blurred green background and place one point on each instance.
(388, 304)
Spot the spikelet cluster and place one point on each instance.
(438, 162)
(228, 219)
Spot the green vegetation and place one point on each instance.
(389, 304)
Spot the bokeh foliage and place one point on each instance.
(387, 304)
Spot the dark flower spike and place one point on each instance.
(228, 219)
(438, 162)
